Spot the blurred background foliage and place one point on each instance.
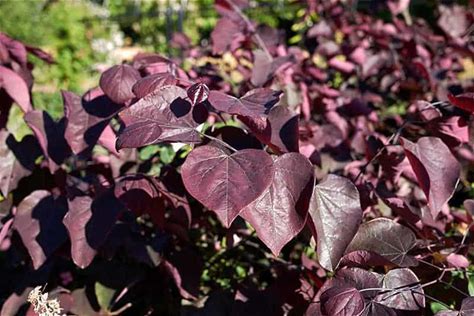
(87, 36)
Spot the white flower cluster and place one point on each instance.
(41, 304)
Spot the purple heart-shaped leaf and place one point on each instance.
(226, 183)
(336, 213)
(275, 215)
(117, 82)
(436, 169)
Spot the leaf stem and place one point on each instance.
(219, 141)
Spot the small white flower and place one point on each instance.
(42, 306)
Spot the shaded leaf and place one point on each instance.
(89, 222)
(226, 183)
(186, 268)
(38, 221)
(436, 170)
(274, 214)
(279, 130)
(17, 160)
(82, 129)
(342, 301)
(255, 103)
(140, 194)
(463, 101)
(386, 238)
(336, 213)
(165, 115)
(50, 136)
(117, 83)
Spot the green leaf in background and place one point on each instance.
(470, 284)
(104, 295)
(437, 307)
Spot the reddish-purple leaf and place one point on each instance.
(89, 222)
(198, 93)
(186, 268)
(386, 238)
(152, 83)
(342, 301)
(336, 213)
(255, 103)
(50, 135)
(226, 183)
(275, 215)
(279, 130)
(75, 221)
(463, 101)
(436, 170)
(409, 298)
(11, 306)
(226, 35)
(165, 115)
(82, 129)
(16, 87)
(17, 160)
(265, 67)
(140, 194)
(364, 258)
(41, 54)
(117, 82)
(38, 221)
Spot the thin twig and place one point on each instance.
(257, 37)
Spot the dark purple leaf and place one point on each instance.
(274, 214)
(140, 194)
(436, 170)
(364, 258)
(226, 183)
(279, 130)
(255, 103)
(410, 295)
(463, 101)
(117, 83)
(336, 213)
(11, 306)
(38, 221)
(50, 136)
(17, 160)
(198, 93)
(82, 129)
(41, 54)
(89, 222)
(342, 301)
(16, 87)
(75, 221)
(152, 83)
(167, 110)
(386, 238)
(185, 267)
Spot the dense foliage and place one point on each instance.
(255, 175)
